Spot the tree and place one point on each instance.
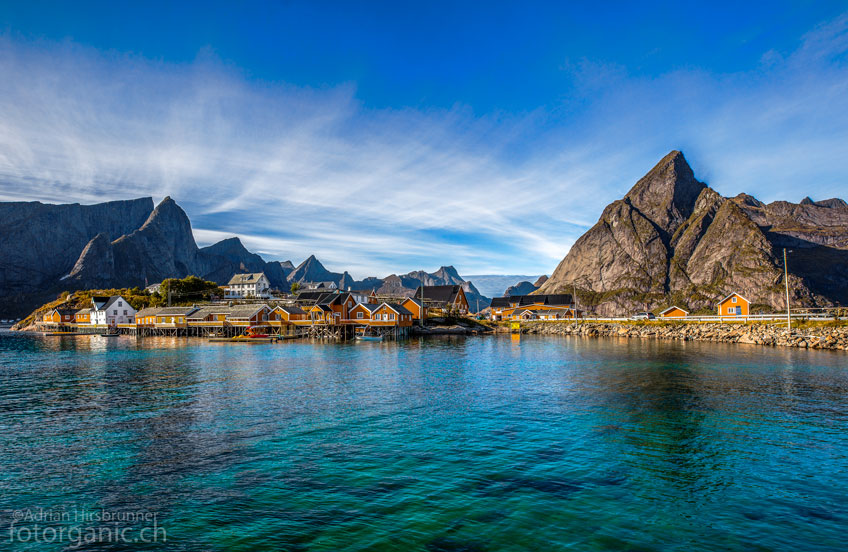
(294, 287)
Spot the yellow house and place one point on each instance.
(674, 312)
(734, 305)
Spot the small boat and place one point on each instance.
(369, 338)
(107, 335)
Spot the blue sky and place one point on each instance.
(386, 137)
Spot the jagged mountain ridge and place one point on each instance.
(311, 270)
(672, 239)
(133, 243)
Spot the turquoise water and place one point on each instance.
(441, 444)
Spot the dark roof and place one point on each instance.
(558, 299)
(149, 311)
(438, 294)
(312, 296)
(324, 307)
(400, 309)
(65, 312)
(521, 300)
(291, 309)
(109, 301)
(500, 302)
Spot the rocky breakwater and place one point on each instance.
(820, 337)
(443, 326)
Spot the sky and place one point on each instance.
(396, 136)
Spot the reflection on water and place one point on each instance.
(505, 442)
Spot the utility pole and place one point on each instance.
(786, 279)
(169, 296)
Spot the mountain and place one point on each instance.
(673, 239)
(493, 285)
(521, 288)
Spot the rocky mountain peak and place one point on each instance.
(667, 193)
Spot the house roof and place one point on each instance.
(149, 311)
(251, 278)
(669, 309)
(731, 295)
(291, 309)
(84, 311)
(203, 312)
(499, 302)
(103, 303)
(168, 311)
(439, 294)
(312, 296)
(245, 311)
(398, 308)
(322, 307)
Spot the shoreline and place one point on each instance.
(828, 338)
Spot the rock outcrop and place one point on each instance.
(672, 239)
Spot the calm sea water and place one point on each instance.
(456, 444)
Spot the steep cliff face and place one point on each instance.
(673, 239)
(163, 247)
(41, 243)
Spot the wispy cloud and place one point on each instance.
(296, 171)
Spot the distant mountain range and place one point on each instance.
(493, 285)
(48, 249)
(675, 240)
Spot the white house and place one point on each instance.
(110, 311)
(248, 285)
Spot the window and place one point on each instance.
(120, 304)
(125, 313)
(359, 314)
(391, 317)
(115, 312)
(734, 299)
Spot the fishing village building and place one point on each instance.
(443, 299)
(674, 312)
(254, 285)
(734, 305)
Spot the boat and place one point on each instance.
(369, 338)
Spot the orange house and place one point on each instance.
(734, 305)
(674, 312)
(414, 306)
(384, 314)
(286, 314)
(83, 316)
(59, 316)
(146, 317)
